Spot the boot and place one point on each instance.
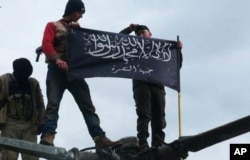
(47, 139)
(143, 147)
(103, 141)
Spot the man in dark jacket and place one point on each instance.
(150, 101)
(22, 100)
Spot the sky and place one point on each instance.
(215, 86)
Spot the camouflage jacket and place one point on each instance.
(36, 96)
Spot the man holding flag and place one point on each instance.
(150, 100)
(54, 45)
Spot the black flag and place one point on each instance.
(93, 53)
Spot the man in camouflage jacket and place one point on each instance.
(22, 106)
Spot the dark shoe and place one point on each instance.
(103, 141)
(143, 148)
(47, 139)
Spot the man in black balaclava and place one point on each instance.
(22, 69)
(22, 100)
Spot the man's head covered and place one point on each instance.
(74, 6)
(143, 31)
(22, 69)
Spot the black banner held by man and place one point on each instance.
(94, 53)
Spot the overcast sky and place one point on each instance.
(215, 77)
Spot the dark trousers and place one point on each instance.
(57, 82)
(150, 107)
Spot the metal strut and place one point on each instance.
(48, 152)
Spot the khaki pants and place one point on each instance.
(18, 129)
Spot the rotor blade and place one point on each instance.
(213, 136)
(48, 152)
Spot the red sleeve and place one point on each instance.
(48, 41)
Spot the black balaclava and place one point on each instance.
(73, 6)
(22, 69)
